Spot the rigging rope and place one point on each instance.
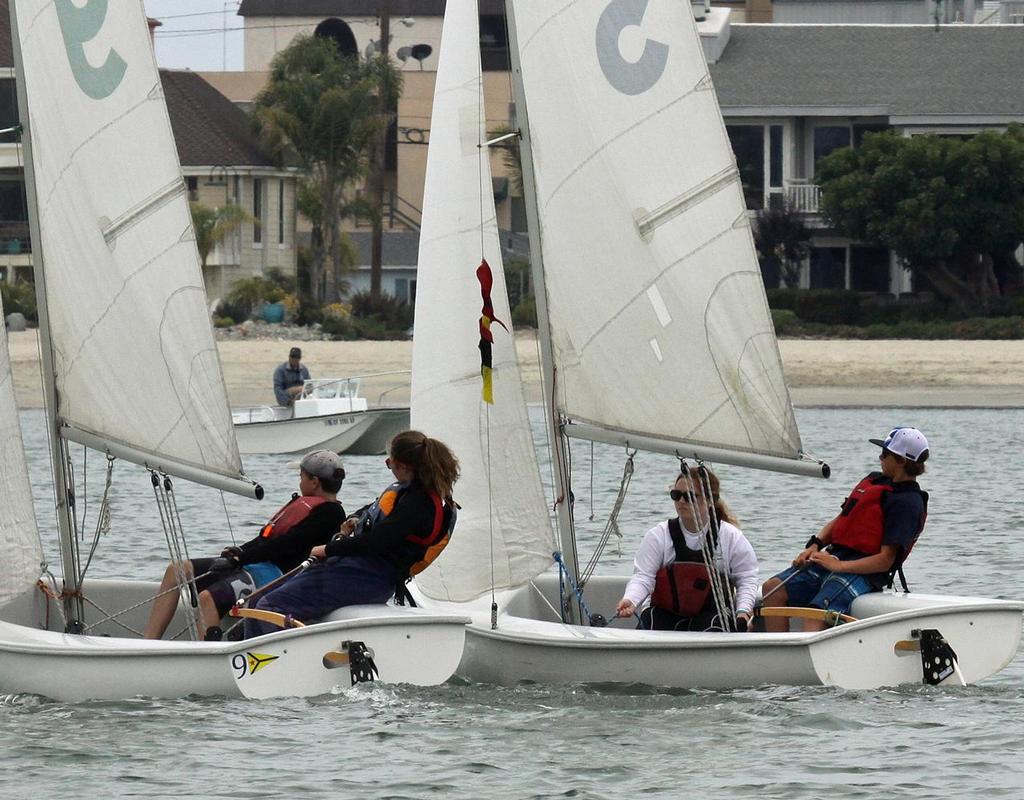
(102, 518)
(175, 545)
(711, 552)
(612, 526)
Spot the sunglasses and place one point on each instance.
(677, 495)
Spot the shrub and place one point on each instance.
(223, 322)
(21, 297)
(524, 315)
(830, 306)
(385, 317)
(785, 321)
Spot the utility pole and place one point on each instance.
(377, 235)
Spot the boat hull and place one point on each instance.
(356, 433)
(536, 647)
(408, 646)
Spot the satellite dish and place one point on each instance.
(421, 52)
(403, 54)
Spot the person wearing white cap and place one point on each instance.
(310, 518)
(394, 537)
(863, 548)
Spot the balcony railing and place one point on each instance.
(803, 197)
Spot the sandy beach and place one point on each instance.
(819, 372)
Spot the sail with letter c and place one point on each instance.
(136, 370)
(658, 320)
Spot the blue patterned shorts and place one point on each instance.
(816, 587)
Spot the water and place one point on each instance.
(467, 741)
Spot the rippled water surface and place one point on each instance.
(466, 741)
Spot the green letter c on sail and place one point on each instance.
(628, 77)
(78, 26)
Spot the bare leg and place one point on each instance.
(166, 602)
(775, 597)
(208, 614)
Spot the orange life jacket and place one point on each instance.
(433, 542)
(290, 514)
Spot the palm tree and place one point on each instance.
(214, 225)
(323, 108)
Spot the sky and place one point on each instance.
(201, 35)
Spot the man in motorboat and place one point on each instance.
(394, 538)
(310, 518)
(698, 569)
(862, 548)
(289, 378)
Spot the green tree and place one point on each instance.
(782, 238)
(322, 107)
(952, 210)
(214, 225)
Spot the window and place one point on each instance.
(869, 269)
(775, 156)
(828, 268)
(748, 146)
(193, 188)
(494, 43)
(257, 210)
(280, 211)
(860, 130)
(405, 289)
(828, 139)
(759, 158)
(236, 192)
(8, 109)
(771, 272)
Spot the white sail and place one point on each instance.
(19, 536)
(658, 318)
(136, 368)
(503, 536)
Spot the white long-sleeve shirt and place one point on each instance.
(734, 555)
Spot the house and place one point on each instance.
(790, 94)
(221, 160)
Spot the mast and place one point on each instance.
(563, 491)
(63, 497)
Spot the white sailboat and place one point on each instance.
(130, 370)
(655, 334)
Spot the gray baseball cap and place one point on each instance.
(322, 464)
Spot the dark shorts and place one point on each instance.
(225, 588)
(816, 587)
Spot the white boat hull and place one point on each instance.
(529, 644)
(357, 432)
(409, 646)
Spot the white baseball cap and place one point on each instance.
(906, 442)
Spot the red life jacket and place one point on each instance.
(684, 586)
(290, 515)
(861, 523)
(433, 542)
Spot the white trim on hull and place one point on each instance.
(860, 655)
(355, 432)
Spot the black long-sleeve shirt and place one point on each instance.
(413, 515)
(290, 549)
